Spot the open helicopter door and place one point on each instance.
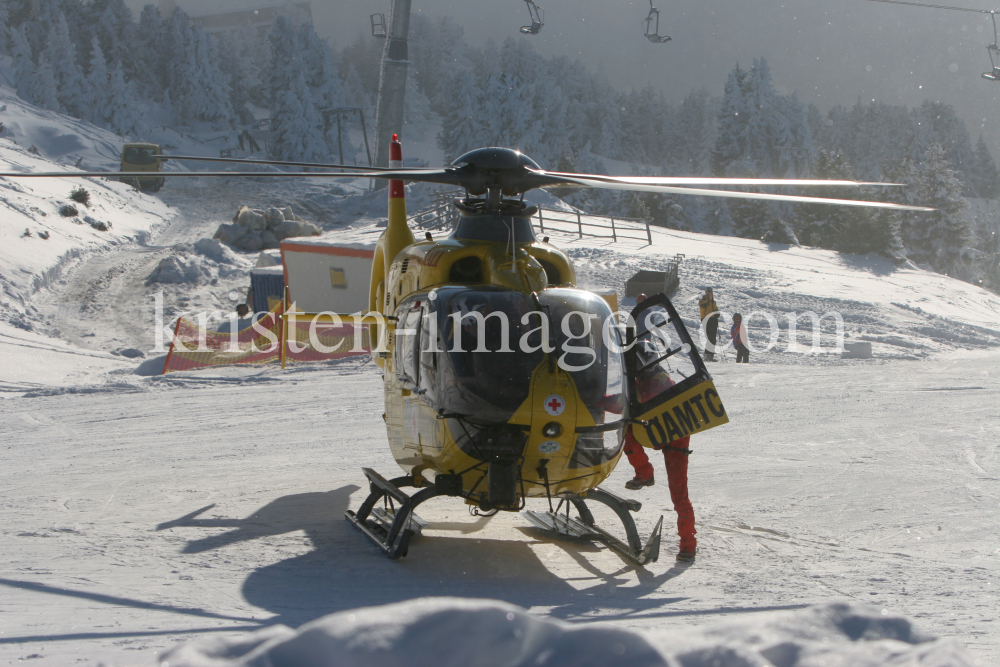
(670, 389)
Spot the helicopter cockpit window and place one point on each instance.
(577, 320)
(488, 346)
(407, 346)
(481, 372)
(494, 228)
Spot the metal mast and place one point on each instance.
(392, 82)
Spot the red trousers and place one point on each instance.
(677, 475)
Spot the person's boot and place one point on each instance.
(709, 356)
(689, 547)
(637, 483)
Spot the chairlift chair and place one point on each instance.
(994, 52)
(651, 26)
(378, 26)
(537, 16)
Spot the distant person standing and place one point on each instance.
(709, 310)
(739, 334)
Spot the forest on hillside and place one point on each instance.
(95, 60)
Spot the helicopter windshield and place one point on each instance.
(494, 228)
(489, 344)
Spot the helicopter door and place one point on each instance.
(670, 388)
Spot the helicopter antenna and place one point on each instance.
(651, 26)
(537, 16)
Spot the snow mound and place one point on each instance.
(445, 632)
(254, 229)
(202, 262)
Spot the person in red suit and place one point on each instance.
(649, 383)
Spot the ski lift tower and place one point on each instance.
(392, 82)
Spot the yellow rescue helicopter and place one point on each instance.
(504, 381)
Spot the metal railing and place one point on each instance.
(442, 215)
(573, 222)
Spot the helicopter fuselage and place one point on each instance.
(503, 422)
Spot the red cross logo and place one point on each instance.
(554, 405)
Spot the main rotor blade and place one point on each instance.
(440, 176)
(685, 180)
(745, 195)
(922, 4)
(280, 163)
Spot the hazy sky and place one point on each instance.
(829, 51)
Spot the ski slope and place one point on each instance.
(210, 504)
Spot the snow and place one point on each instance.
(32, 361)
(443, 632)
(210, 503)
(37, 243)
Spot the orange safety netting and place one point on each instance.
(193, 347)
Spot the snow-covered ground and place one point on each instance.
(138, 510)
(210, 503)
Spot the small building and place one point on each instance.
(322, 275)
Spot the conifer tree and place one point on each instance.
(61, 55)
(942, 238)
(122, 113)
(461, 128)
(984, 174)
(98, 94)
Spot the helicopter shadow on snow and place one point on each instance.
(346, 571)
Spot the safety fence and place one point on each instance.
(602, 227)
(262, 340)
(442, 215)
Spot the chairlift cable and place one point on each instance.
(922, 4)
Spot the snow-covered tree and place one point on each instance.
(942, 238)
(297, 132)
(732, 114)
(97, 90)
(461, 128)
(122, 112)
(61, 55)
(984, 174)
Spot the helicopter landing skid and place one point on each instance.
(564, 524)
(391, 528)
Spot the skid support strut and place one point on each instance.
(391, 527)
(585, 526)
